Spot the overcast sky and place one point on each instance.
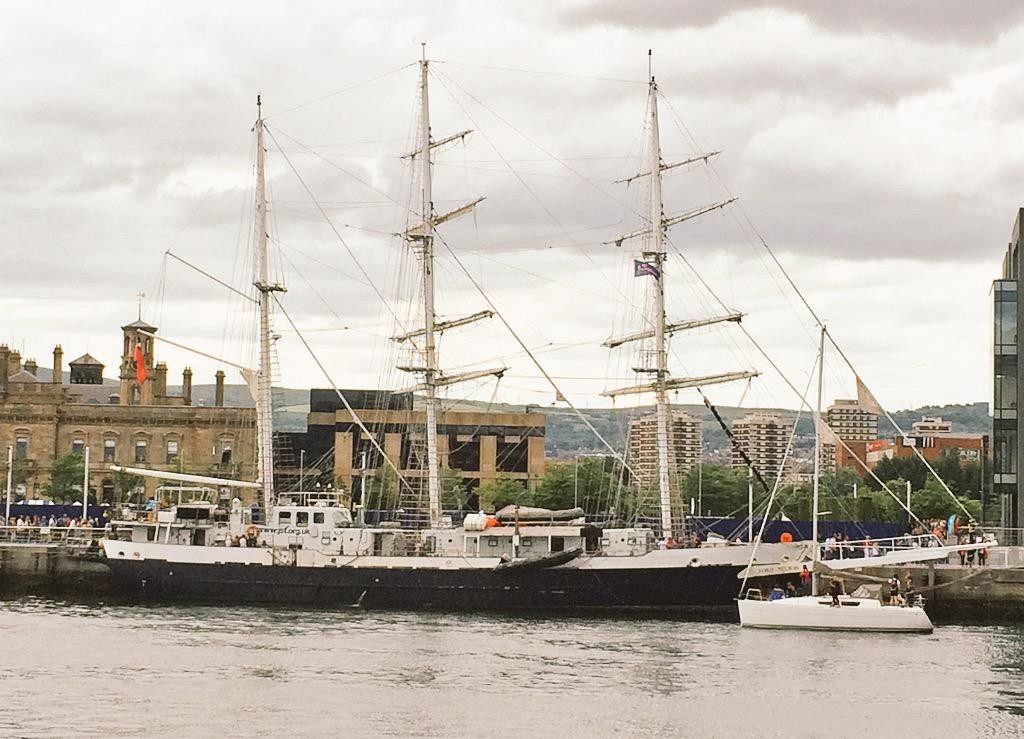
(874, 145)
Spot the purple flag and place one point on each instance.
(644, 268)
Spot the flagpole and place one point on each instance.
(10, 478)
(85, 486)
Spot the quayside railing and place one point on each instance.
(72, 536)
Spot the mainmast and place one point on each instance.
(817, 464)
(264, 379)
(424, 235)
(656, 253)
(654, 258)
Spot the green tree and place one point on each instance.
(722, 490)
(453, 489)
(125, 486)
(587, 482)
(906, 468)
(380, 490)
(932, 501)
(501, 492)
(66, 475)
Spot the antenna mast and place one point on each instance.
(264, 400)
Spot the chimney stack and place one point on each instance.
(58, 366)
(14, 363)
(5, 358)
(160, 380)
(186, 386)
(218, 394)
(32, 367)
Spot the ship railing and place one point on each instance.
(859, 548)
(72, 536)
(1007, 536)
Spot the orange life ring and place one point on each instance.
(785, 538)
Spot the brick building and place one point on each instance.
(128, 423)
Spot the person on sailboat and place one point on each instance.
(894, 590)
(911, 593)
(805, 581)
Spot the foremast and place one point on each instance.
(265, 290)
(655, 256)
(423, 236)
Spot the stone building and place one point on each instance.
(763, 436)
(684, 446)
(129, 423)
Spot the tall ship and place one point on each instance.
(310, 548)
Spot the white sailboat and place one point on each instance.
(836, 612)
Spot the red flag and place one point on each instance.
(140, 364)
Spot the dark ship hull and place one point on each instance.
(464, 589)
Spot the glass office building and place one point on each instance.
(1006, 447)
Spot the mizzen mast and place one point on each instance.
(422, 236)
(654, 257)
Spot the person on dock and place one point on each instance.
(911, 593)
(835, 587)
(805, 580)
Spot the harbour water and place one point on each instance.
(124, 670)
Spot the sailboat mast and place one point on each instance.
(656, 253)
(427, 256)
(817, 462)
(264, 402)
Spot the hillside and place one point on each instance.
(568, 436)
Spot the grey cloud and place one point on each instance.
(947, 22)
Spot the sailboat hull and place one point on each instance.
(817, 614)
(468, 588)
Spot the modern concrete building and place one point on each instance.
(763, 436)
(684, 446)
(476, 446)
(1007, 441)
(931, 426)
(143, 425)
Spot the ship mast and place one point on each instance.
(817, 465)
(264, 379)
(423, 235)
(654, 258)
(427, 257)
(656, 253)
